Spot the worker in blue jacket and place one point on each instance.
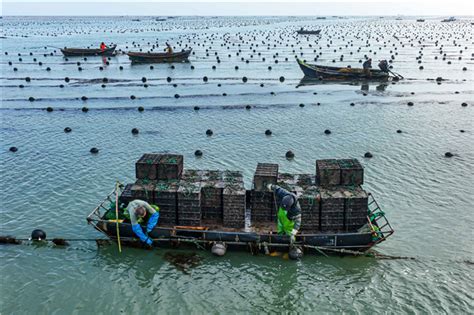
(137, 210)
(289, 212)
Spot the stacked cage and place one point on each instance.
(233, 200)
(262, 200)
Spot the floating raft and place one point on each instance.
(139, 57)
(325, 72)
(204, 207)
(78, 52)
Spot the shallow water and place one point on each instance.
(53, 182)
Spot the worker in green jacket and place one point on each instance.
(289, 212)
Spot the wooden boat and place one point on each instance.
(259, 239)
(78, 52)
(325, 72)
(147, 57)
(308, 32)
(450, 19)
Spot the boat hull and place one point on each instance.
(171, 236)
(80, 52)
(324, 72)
(304, 32)
(137, 57)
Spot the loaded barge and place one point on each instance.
(207, 207)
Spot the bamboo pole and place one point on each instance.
(116, 216)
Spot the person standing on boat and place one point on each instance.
(169, 49)
(103, 46)
(367, 65)
(383, 65)
(289, 211)
(138, 209)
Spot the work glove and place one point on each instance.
(152, 221)
(293, 236)
(270, 187)
(148, 241)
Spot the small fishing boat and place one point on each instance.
(325, 72)
(147, 57)
(78, 52)
(261, 239)
(420, 20)
(450, 19)
(308, 32)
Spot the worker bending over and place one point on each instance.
(138, 209)
(289, 211)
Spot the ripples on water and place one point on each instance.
(53, 182)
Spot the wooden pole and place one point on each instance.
(116, 216)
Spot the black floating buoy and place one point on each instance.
(94, 150)
(244, 79)
(140, 108)
(268, 132)
(28, 79)
(143, 79)
(421, 67)
(13, 149)
(168, 79)
(410, 103)
(327, 131)
(399, 131)
(462, 131)
(290, 155)
(21, 86)
(176, 96)
(197, 108)
(301, 105)
(448, 154)
(66, 79)
(85, 109)
(31, 99)
(135, 131)
(439, 79)
(295, 253)
(368, 155)
(38, 235)
(218, 249)
(120, 68)
(67, 130)
(282, 79)
(132, 97)
(464, 69)
(151, 67)
(205, 79)
(61, 86)
(84, 98)
(464, 104)
(49, 109)
(198, 153)
(209, 132)
(248, 107)
(352, 104)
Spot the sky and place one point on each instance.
(244, 7)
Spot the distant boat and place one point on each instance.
(451, 19)
(308, 32)
(76, 52)
(420, 20)
(321, 18)
(325, 72)
(147, 57)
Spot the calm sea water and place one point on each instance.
(53, 182)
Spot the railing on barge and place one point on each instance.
(377, 230)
